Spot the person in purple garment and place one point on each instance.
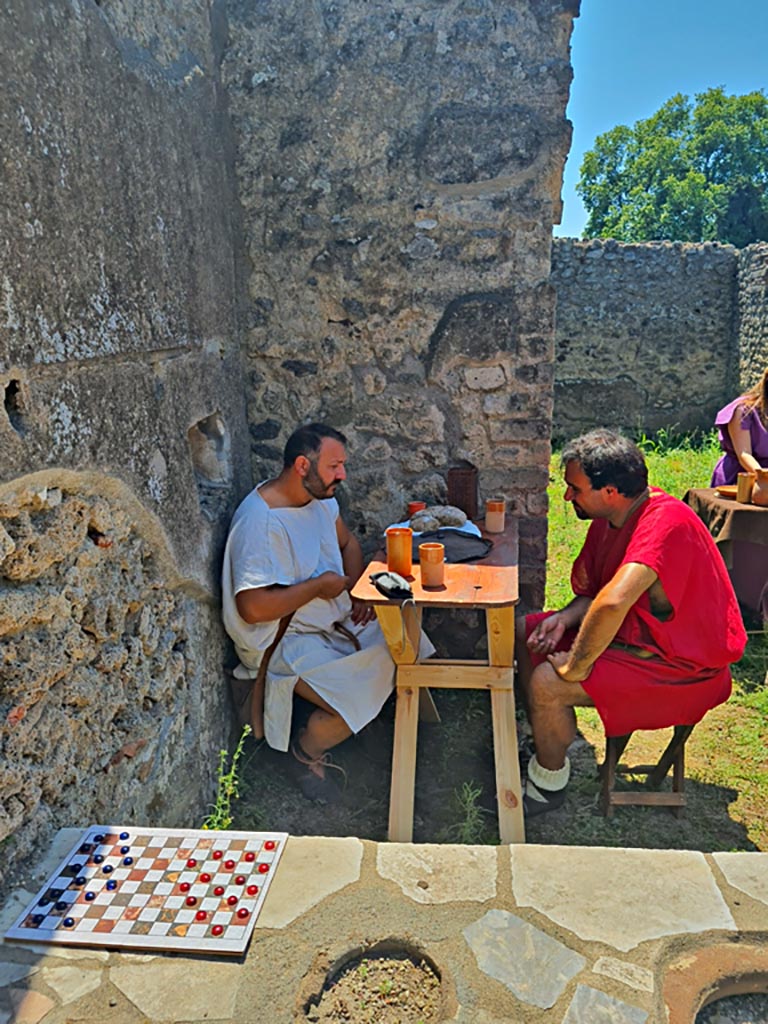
(743, 426)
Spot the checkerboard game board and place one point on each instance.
(183, 890)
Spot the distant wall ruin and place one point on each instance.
(655, 335)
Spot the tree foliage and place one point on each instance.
(691, 172)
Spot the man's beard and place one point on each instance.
(580, 513)
(314, 486)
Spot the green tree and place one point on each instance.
(691, 172)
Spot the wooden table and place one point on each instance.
(741, 534)
(492, 584)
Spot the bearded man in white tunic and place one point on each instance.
(289, 553)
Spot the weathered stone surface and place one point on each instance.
(622, 970)
(687, 899)
(745, 871)
(636, 323)
(307, 876)
(71, 983)
(534, 966)
(440, 874)
(590, 1006)
(206, 993)
(29, 1007)
(397, 211)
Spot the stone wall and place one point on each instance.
(123, 445)
(753, 314)
(399, 168)
(647, 334)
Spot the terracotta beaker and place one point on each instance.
(760, 488)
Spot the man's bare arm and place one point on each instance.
(549, 632)
(352, 560)
(603, 619)
(266, 604)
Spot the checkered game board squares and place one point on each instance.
(187, 890)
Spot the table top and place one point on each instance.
(726, 518)
(487, 583)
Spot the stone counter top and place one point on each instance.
(520, 933)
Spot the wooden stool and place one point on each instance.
(673, 757)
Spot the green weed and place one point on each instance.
(220, 817)
(472, 829)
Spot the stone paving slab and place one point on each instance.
(540, 935)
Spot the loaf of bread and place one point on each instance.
(435, 516)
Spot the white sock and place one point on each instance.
(547, 779)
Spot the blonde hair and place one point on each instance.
(757, 397)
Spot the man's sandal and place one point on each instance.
(320, 789)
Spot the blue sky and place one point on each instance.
(630, 56)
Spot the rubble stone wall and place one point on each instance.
(399, 168)
(647, 334)
(753, 315)
(123, 444)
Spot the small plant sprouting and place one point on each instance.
(220, 817)
(471, 830)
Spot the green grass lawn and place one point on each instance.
(726, 755)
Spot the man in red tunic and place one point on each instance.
(653, 627)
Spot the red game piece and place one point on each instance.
(269, 844)
(184, 886)
(250, 856)
(191, 901)
(205, 877)
(191, 863)
(229, 865)
(243, 912)
(263, 869)
(201, 915)
(252, 890)
(231, 900)
(219, 890)
(240, 880)
(217, 855)
(217, 929)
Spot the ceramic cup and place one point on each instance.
(494, 515)
(432, 562)
(399, 549)
(414, 507)
(744, 484)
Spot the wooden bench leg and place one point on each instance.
(614, 748)
(508, 789)
(401, 792)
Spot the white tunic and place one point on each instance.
(269, 546)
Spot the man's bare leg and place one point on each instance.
(325, 728)
(551, 703)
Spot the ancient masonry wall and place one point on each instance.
(647, 335)
(753, 314)
(399, 167)
(123, 445)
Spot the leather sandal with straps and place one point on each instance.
(321, 789)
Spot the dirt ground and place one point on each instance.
(455, 789)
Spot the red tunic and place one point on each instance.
(692, 649)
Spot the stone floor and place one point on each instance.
(524, 933)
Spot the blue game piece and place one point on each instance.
(38, 919)
(69, 922)
(61, 905)
(90, 896)
(44, 899)
(75, 869)
(125, 849)
(98, 839)
(80, 880)
(125, 835)
(107, 869)
(55, 893)
(85, 848)
(111, 884)
(128, 861)
(98, 858)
